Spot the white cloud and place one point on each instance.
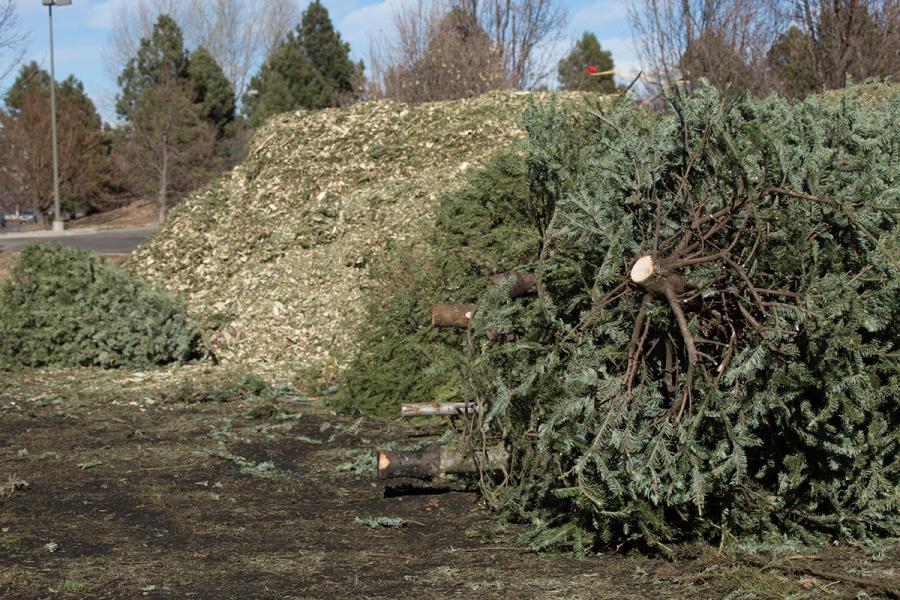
(599, 15)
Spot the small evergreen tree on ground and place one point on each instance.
(64, 307)
(748, 383)
(578, 70)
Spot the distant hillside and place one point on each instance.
(277, 254)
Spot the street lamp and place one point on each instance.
(57, 218)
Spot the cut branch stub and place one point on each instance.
(437, 409)
(656, 276)
(452, 315)
(434, 461)
(520, 284)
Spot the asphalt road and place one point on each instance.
(109, 241)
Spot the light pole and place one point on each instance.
(58, 224)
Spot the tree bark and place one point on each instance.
(437, 409)
(433, 461)
(452, 315)
(164, 180)
(520, 284)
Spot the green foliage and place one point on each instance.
(329, 55)
(311, 69)
(482, 229)
(64, 307)
(587, 53)
(211, 90)
(793, 426)
(161, 58)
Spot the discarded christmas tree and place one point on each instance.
(713, 347)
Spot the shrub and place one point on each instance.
(65, 307)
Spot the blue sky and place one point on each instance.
(81, 33)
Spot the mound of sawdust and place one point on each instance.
(277, 253)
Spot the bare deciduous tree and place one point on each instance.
(438, 53)
(726, 41)
(831, 41)
(11, 39)
(518, 35)
(526, 31)
(238, 33)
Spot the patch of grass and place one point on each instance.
(71, 586)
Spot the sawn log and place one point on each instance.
(433, 461)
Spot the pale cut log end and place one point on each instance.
(642, 269)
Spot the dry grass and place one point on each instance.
(141, 213)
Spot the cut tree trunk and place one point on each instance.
(437, 409)
(433, 461)
(520, 284)
(452, 315)
(657, 276)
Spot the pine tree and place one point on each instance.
(160, 58)
(329, 55)
(311, 69)
(211, 90)
(576, 71)
(169, 142)
(459, 61)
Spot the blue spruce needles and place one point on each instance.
(713, 349)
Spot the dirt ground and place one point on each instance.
(198, 483)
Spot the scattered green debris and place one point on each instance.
(51, 546)
(264, 470)
(70, 586)
(307, 440)
(361, 462)
(94, 462)
(376, 522)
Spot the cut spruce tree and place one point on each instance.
(713, 347)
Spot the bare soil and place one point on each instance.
(136, 485)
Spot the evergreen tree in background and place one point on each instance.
(329, 55)
(211, 90)
(86, 172)
(576, 71)
(311, 69)
(160, 58)
(169, 141)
